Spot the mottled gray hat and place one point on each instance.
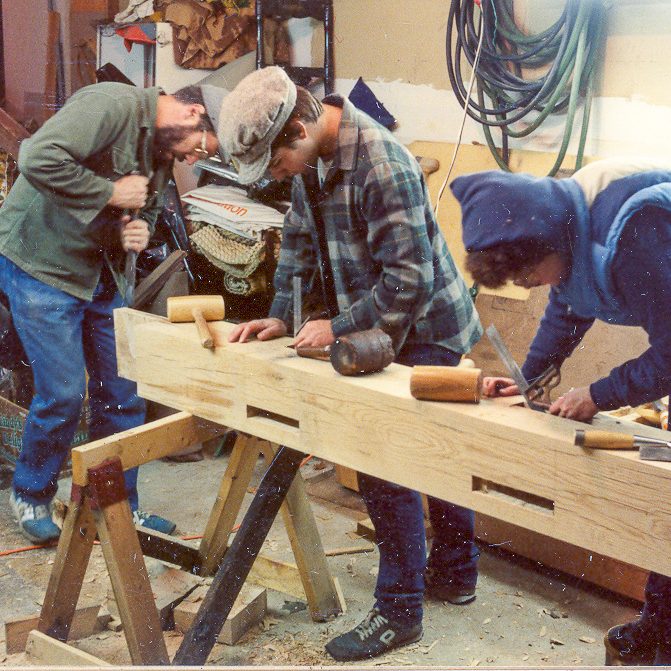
(213, 96)
(252, 116)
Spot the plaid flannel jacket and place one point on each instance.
(382, 262)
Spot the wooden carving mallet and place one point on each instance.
(198, 309)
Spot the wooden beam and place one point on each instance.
(42, 650)
(502, 460)
(143, 444)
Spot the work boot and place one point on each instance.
(631, 644)
(455, 591)
(34, 520)
(153, 522)
(374, 636)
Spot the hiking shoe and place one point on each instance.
(153, 522)
(459, 593)
(456, 594)
(34, 520)
(374, 636)
(631, 644)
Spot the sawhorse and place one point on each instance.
(99, 505)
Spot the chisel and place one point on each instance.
(650, 449)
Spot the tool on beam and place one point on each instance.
(198, 309)
(357, 353)
(649, 449)
(536, 394)
(298, 303)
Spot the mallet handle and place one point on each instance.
(204, 333)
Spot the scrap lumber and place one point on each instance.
(495, 457)
(17, 629)
(42, 650)
(249, 609)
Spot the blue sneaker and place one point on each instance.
(153, 522)
(34, 520)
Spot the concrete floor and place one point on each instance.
(523, 615)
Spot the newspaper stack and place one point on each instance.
(229, 208)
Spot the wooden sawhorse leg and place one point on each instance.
(318, 583)
(306, 543)
(103, 506)
(201, 637)
(67, 575)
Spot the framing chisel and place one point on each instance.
(650, 449)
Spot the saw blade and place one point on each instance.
(510, 363)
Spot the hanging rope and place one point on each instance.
(508, 98)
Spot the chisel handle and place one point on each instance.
(604, 440)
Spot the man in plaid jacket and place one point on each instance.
(362, 237)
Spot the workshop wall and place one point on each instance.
(399, 49)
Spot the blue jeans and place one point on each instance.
(397, 515)
(63, 337)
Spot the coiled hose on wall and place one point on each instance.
(510, 99)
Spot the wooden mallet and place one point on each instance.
(446, 383)
(198, 309)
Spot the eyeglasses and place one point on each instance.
(202, 150)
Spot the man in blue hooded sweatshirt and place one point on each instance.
(602, 241)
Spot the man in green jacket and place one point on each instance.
(90, 190)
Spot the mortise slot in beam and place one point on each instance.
(273, 416)
(514, 496)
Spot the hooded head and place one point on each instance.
(501, 207)
(530, 216)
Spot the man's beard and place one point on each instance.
(167, 137)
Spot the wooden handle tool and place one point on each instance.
(604, 440)
(198, 309)
(446, 383)
(309, 352)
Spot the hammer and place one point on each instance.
(356, 353)
(198, 309)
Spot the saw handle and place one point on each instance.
(603, 440)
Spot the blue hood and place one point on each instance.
(501, 207)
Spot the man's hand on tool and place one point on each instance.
(316, 333)
(499, 386)
(130, 192)
(263, 329)
(575, 404)
(134, 234)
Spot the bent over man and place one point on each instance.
(602, 241)
(362, 236)
(90, 190)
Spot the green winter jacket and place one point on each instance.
(55, 224)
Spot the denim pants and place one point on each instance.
(398, 517)
(63, 337)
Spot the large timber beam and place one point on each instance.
(505, 461)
